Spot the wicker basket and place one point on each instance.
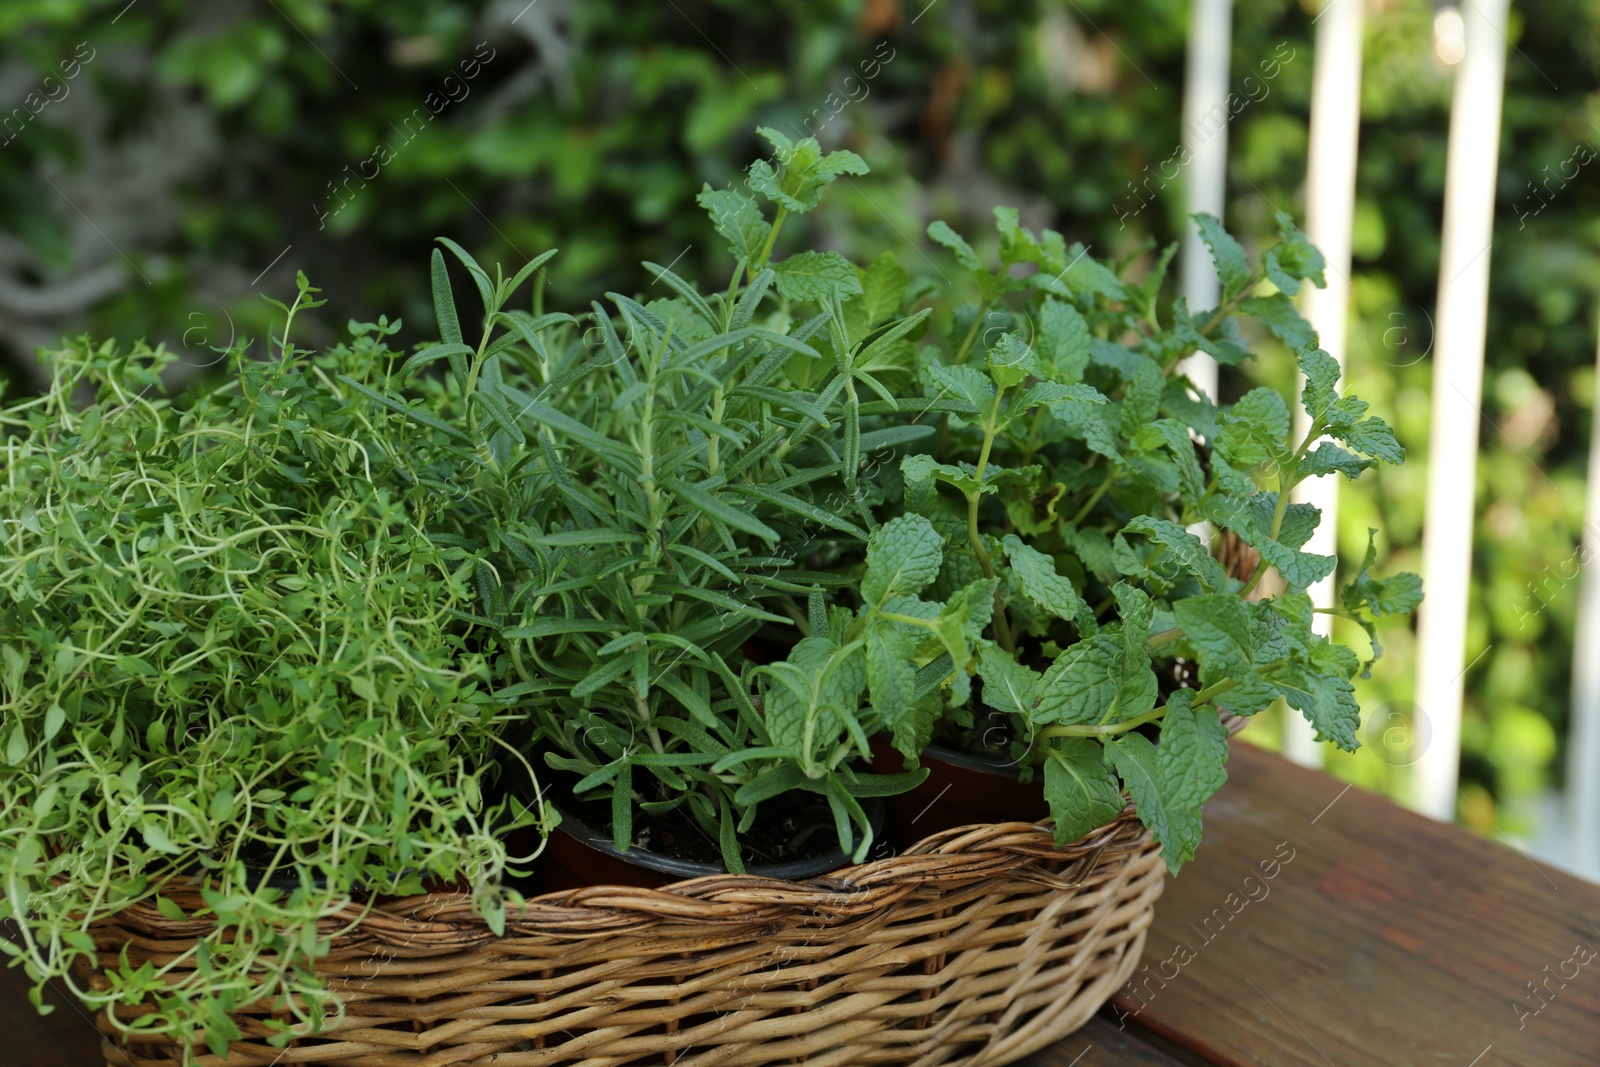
(975, 947)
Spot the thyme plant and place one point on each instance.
(230, 663)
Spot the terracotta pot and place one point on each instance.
(579, 855)
(961, 790)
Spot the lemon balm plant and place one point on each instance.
(233, 671)
(1059, 505)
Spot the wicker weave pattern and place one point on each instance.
(972, 949)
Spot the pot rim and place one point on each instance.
(793, 870)
(968, 761)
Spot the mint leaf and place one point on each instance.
(1011, 361)
(1063, 341)
(1217, 627)
(1399, 595)
(1008, 686)
(883, 290)
(1137, 686)
(960, 625)
(1278, 314)
(1176, 828)
(816, 276)
(891, 672)
(1300, 569)
(1293, 258)
(1328, 703)
(1322, 375)
(1081, 790)
(962, 382)
(1233, 267)
(903, 556)
(1190, 552)
(941, 232)
(1017, 245)
(1081, 684)
(1264, 412)
(738, 219)
(1329, 458)
(1142, 402)
(1036, 574)
(1191, 764)
(1374, 438)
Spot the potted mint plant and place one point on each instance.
(1071, 468)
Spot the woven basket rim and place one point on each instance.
(958, 855)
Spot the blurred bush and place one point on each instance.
(196, 155)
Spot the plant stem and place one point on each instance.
(1083, 512)
(972, 334)
(772, 237)
(1114, 728)
(1002, 625)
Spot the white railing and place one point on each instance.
(1467, 232)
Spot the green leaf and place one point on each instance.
(1008, 686)
(1081, 790)
(1191, 765)
(1374, 438)
(1011, 361)
(941, 232)
(1398, 595)
(891, 672)
(1264, 412)
(903, 556)
(738, 219)
(816, 276)
(960, 625)
(1176, 828)
(883, 290)
(444, 303)
(429, 355)
(1327, 702)
(1278, 314)
(155, 837)
(1322, 375)
(963, 382)
(717, 508)
(1233, 266)
(1329, 458)
(1036, 575)
(1063, 341)
(1142, 402)
(1292, 259)
(1300, 569)
(1189, 551)
(1217, 627)
(1082, 275)
(1081, 685)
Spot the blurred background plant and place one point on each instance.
(162, 162)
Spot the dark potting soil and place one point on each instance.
(798, 826)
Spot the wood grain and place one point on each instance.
(1386, 939)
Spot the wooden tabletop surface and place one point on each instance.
(1320, 926)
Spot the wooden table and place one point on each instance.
(1320, 926)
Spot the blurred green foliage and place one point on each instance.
(592, 124)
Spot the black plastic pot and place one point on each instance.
(579, 855)
(961, 790)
